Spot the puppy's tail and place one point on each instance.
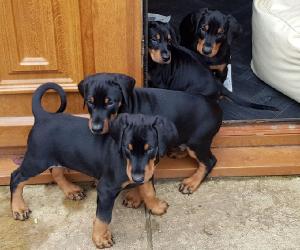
(37, 108)
(244, 102)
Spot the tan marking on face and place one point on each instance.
(155, 55)
(105, 127)
(146, 146)
(130, 147)
(106, 100)
(215, 49)
(101, 234)
(169, 37)
(149, 170)
(120, 103)
(129, 169)
(157, 36)
(200, 45)
(206, 27)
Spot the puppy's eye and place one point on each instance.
(204, 27)
(90, 100)
(220, 31)
(108, 101)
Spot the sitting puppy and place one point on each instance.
(178, 68)
(124, 158)
(197, 119)
(210, 33)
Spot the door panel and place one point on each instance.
(40, 42)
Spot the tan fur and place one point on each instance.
(215, 48)
(149, 170)
(20, 210)
(102, 237)
(146, 146)
(220, 67)
(72, 191)
(190, 185)
(129, 169)
(133, 199)
(156, 56)
(155, 205)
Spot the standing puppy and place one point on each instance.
(124, 158)
(210, 33)
(196, 118)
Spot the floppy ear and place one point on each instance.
(234, 29)
(81, 87)
(117, 128)
(174, 36)
(190, 25)
(166, 133)
(126, 84)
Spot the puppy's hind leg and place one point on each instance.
(19, 177)
(72, 191)
(206, 161)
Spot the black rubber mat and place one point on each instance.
(245, 83)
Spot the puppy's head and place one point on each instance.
(206, 30)
(161, 37)
(142, 139)
(104, 94)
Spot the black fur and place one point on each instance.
(186, 70)
(65, 140)
(222, 29)
(197, 119)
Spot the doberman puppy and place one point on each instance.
(124, 158)
(197, 119)
(210, 33)
(174, 67)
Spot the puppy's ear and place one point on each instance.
(234, 29)
(126, 84)
(190, 26)
(117, 128)
(174, 36)
(166, 133)
(81, 88)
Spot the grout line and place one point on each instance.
(148, 230)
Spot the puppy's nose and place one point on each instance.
(207, 50)
(165, 56)
(138, 178)
(97, 128)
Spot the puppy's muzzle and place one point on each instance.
(207, 50)
(138, 178)
(166, 57)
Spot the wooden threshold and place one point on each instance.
(241, 150)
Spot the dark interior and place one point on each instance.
(245, 83)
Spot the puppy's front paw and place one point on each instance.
(76, 195)
(189, 185)
(21, 213)
(157, 206)
(102, 237)
(132, 199)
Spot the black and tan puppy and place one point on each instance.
(210, 33)
(184, 70)
(171, 66)
(124, 158)
(196, 118)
